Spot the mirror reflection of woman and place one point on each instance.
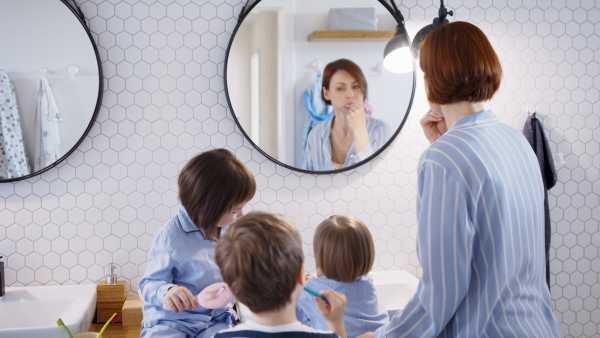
(351, 136)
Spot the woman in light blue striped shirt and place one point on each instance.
(344, 253)
(350, 136)
(214, 187)
(480, 206)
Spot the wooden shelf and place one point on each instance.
(346, 35)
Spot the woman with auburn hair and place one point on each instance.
(480, 206)
(351, 135)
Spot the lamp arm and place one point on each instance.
(397, 12)
(443, 12)
(393, 9)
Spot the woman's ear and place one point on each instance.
(326, 94)
(300, 277)
(435, 107)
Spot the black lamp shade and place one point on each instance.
(396, 55)
(416, 43)
(399, 40)
(420, 36)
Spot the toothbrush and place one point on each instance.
(315, 293)
(60, 322)
(112, 319)
(366, 106)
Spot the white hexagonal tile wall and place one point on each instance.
(164, 102)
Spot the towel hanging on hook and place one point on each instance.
(47, 137)
(534, 133)
(13, 159)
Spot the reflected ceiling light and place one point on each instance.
(397, 57)
(440, 20)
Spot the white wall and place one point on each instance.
(107, 200)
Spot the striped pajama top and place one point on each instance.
(317, 154)
(180, 256)
(480, 238)
(363, 312)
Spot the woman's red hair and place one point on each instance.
(459, 64)
(352, 68)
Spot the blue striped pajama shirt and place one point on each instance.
(180, 255)
(318, 156)
(362, 314)
(480, 238)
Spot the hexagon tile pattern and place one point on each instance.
(164, 102)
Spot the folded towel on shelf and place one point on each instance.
(353, 19)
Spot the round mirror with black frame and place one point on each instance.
(50, 85)
(275, 66)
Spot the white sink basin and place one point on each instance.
(32, 311)
(395, 288)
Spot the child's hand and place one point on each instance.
(310, 275)
(333, 310)
(178, 299)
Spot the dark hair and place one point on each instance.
(210, 185)
(260, 257)
(459, 64)
(349, 66)
(344, 248)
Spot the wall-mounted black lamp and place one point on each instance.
(397, 57)
(440, 20)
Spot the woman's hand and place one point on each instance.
(333, 310)
(357, 121)
(434, 125)
(178, 298)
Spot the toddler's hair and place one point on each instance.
(210, 185)
(343, 248)
(260, 256)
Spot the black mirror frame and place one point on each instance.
(243, 13)
(72, 5)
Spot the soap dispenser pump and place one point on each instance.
(110, 296)
(111, 278)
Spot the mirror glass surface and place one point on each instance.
(54, 114)
(271, 63)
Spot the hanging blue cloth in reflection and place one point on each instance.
(317, 110)
(13, 160)
(47, 137)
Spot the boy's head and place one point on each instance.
(210, 185)
(344, 248)
(260, 258)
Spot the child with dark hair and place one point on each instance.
(344, 253)
(214, 187)
(260, 257)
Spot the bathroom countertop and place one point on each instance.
(115, 330)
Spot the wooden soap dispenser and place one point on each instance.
(110, 296)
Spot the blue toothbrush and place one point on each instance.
(315, 293)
